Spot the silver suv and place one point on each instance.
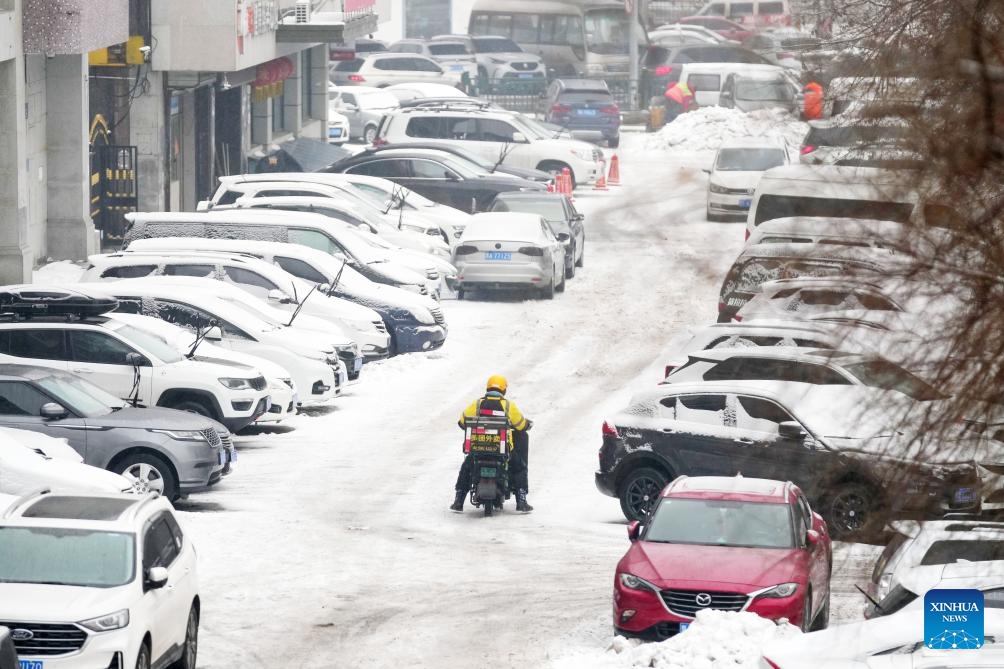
(171, 452)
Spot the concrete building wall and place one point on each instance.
(35, 164)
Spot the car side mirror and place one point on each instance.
(214, 333)
(579, 217)
(706, 170)
(156, 578)
(812, 538)
(451, 176)
(519, 138)
(136, 360)
(563, 237)
(276, 295)
(789, 429)
(634, 530)
(53, 411)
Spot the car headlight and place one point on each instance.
(112, 621)
(425, 317)
(779, 591)
(715, 188)
(234, 383)
(582, 154)
(182, 435)
(634, 583)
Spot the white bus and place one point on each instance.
(574, 38)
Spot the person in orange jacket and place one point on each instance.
(813, 106)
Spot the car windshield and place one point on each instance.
(88, 400)
(58, 556)
(376, 100)
(151, 342)
(889, 376)
(759, 91)
(551, 209)
(748, 160)
(585, 97)
(495, 45)
(607, 31)
(712, 522)
(531, 128)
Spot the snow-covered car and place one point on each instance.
(281, 388)
(841, 231)
(828, 141)
(363, 106)
(914, 582)
(311, 359)
(872, 644)
(837, 443)
(345, 321)
(23, 469)
(415, 322)
(98, 581)
(131, 365)
(727, 544)
(934, 542)
(420, 89)
(395, 198)
(43, 444)
(509, 250)
(734, 174)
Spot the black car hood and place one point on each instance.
(524, 173)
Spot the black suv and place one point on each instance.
(838, 443)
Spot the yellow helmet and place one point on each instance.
(497, 382)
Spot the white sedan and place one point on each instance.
(23, 470)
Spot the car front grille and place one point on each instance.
(437, 314)
(732, 207)
(259, 383)
(523, 66)
(685, 602)
(212, 436)
(47, 638)
(226, 440)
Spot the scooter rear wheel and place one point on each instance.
(488, 508)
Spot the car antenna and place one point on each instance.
(871, 599)
(338, 277)
(296, 312)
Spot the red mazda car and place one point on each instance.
(727, 543)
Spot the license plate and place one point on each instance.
(745, 202)
(334, 132)
(357, 364)
(526, 75)
(488, 472)
(965, 495)
(684, 626)
(498, 255)
(31, 664)
(456, 68)
(587, 112)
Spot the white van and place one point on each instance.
(751, 12)
(706, 79)
(827, 190)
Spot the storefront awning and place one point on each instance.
(331, 33)
(302, 154)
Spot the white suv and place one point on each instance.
(98, 581)
(495, 134)
(131, 364)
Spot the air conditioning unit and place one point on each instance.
(303, 11)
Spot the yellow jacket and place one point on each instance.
(496, 402)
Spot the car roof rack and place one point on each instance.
(27, 302)
(447, 103)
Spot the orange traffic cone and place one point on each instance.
(601, 183)
(566, 181)
(614, 179)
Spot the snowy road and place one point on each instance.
(332, 545)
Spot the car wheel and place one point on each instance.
(150, 472)
(639, 492)
(489, 507)
(570, 267)
(582, 257)
(822, 620)
(369, 134)
(554, 168)
(851, 509)
(614, 142)
(548, 293)
(143, 657)
(193, 406)
(560, 288)
(460, 293)
(190, 651)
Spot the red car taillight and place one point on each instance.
(807, 149)
(610, 110)
(356, 77)
(609, 430)
(737, 318)
(663, 70)
(561, 109)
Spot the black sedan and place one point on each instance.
(469, 156)
(440, 176)
(559, 212)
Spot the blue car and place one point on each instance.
(583, 105)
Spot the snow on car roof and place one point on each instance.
(839, 174)
(729, 485)
(504, 227)
(793, 353)
(879, 258)
(850, 227)
(753, 143)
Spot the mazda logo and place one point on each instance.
(22, 635)
(703, 599)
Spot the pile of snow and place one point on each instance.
(60, 272)
(716, 640)
(707, 128)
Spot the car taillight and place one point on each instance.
(669, 370)
(561, 109)
(380, 141)
(356, 77)
(747, 234)
(609, 430)
(465, 249)
(531, 251)
(663, 70)
(737, 318)
(807, 149)
(610, 110)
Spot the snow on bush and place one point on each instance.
(716, 640)
(707, 128)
